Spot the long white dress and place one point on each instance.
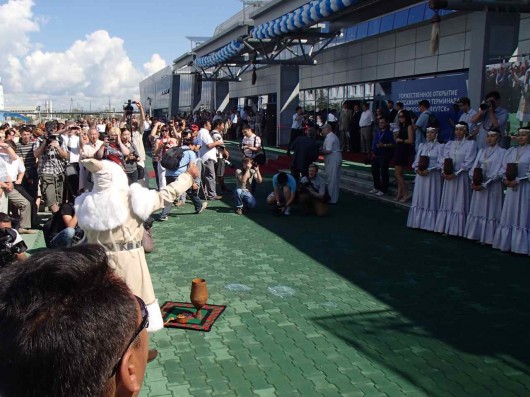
(427, 189)
(512, 232)
(456, 193)
(486, 204)
(333, 163)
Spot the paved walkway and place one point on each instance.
(354, 304)
(351, 305)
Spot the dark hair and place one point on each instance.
(4, 217)
(460, 124)
(188, 140)
(464, 101)
(390, 102)
(217, 123)
(202, 124)
(493, 94)
(408, 119)
(424, 102)
(282, 178)
(297, 108)
(65, 320)
(400, 104)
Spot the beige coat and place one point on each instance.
(138, 203)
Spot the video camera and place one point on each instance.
(487, 104)
(8, 250)
(51, 132)
(128, 108)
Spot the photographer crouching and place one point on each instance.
(12, 247)
(52, 155)
(312, 194)
(246, 178)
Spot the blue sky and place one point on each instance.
(147, 27)
(90, 50)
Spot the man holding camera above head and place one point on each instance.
(52, 154)
(246, 178)
(312, 192)
(490, 116)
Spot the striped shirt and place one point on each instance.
(25, 152)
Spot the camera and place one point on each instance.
(128, 108)
(487, 104)
(8, 250)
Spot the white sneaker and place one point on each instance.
(287, 211)
(373, 191)
(379, 194)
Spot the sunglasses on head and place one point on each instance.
(143, 324)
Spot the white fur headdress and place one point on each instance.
(105, 207)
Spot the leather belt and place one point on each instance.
(129, 246)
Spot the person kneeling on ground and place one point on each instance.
(312, 193)
(84, 331)
(59, 232)
(284, 192)
(246, 179)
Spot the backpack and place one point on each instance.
(171, 158)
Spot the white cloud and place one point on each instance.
(91, 70)
(154, 65)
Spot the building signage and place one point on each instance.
(441, 91)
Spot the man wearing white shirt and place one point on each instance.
(11, 173)
(464, 104)
(208, 154)
(365, 123)
(88, 151)
(296, 127)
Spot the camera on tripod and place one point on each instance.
(128, 108)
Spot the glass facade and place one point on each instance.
(333, 97)
(187, 82)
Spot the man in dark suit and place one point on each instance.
(355, 138)
(392, 112)
(305, 150)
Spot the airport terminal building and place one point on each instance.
(319, 54)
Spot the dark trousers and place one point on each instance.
(155, 167)
(192, 194)
(380, 166)
(295, 133)
(132, 177)
(31, 183)
(71, 185)
(355, 140)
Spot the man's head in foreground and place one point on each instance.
(70, 327)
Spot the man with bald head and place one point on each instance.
(88, 150)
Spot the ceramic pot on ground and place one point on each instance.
(199, 295)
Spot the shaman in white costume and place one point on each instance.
(112, 215)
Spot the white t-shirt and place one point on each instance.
(101, 128)
(9, 169)
(73, 147)
(204, 139)
(367, 118)
(297, 122)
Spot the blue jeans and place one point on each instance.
(244, 198)
(63, 238)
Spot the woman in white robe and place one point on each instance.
(456, 191)
(486, 201)
(332, 161)
(512, 233)
(427, 185)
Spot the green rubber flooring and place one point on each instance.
(354, 304)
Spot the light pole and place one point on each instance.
(149, 100)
